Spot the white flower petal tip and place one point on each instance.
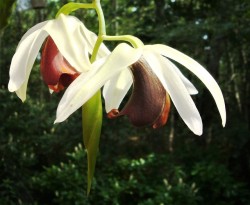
(21, 96)
(57, 121)
(196, 127)
(224, 117)
(12, 86)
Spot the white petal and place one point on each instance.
(33, 29)
(116, 88)
(190, 87)
(199, 71)
(91, 40)
(176, 89)
(23, 60)
(66, 31)
(86, 85)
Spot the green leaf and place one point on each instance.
(92, 123)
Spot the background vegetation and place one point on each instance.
(42, 163)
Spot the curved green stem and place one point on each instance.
(102, 29)
(70, 7)
(134, 41)
(96, 49)
(101, 19)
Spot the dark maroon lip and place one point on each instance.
(56, 71)
(149, 103)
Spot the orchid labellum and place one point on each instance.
(56, 71)
(149, 103)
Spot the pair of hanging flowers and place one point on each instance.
(66, 65)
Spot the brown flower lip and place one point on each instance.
(149, 103)
(56, 71)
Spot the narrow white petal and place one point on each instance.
(23, 60)
(116, 88)
(67, 35)
(176, 89)
(21, 92)
(199, 71)
(190, 87)
(86, 85)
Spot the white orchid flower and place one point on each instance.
(154, 77)
(68, 44)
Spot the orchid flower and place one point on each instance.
(76, 58)
(68, 44)
(155, 79)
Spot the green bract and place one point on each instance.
(92, 122)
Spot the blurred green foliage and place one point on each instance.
(42, 163)
(5, 10)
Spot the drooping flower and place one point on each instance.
(68, 44)
(56, 71)
(155, 79)
(149, 103)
